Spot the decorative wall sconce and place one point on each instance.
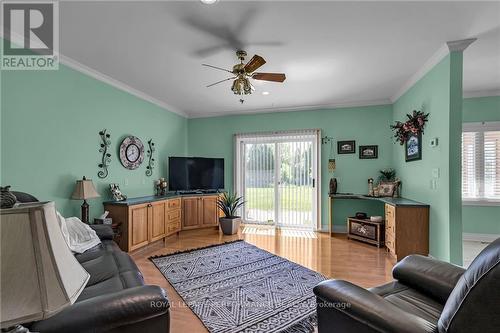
(331, 161)
(106, 157)
(151, 160)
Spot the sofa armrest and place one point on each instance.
(362, 308)
(103, 231)
(428, 275)
(106, 312)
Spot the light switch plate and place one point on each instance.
(435, 173)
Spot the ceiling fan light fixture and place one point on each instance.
(247, 86)
(209, 2)
(237, 87)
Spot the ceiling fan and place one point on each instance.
(242, 73)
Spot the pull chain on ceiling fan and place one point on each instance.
(242, 73)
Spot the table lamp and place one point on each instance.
(84, 190)
(39, 275)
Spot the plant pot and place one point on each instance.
(229, 225)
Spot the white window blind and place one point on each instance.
(277, 173)
(481, 162)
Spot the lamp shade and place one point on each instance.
(39, 274)
(84, 189)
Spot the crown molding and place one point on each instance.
(350, 104)
(443, 51)
(72, 63)
(481, 93)
(460, 45)
(69, 62)
(428, 65)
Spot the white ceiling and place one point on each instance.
(333, 53)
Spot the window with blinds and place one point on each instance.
(481, 162)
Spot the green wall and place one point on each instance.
(439, 93)
(49, 138)
(366, 125)
(481, 219)
(49, 135)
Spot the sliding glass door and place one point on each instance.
(277, 175)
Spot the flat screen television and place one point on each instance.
(195, 173)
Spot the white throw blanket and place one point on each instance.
(78, 235)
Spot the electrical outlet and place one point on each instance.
(125, 182)
(434, 184)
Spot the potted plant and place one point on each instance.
(229, 204)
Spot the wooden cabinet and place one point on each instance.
(138, 227)
(157, 211)
(200, 212)
(146, 222)
(209, 211)
(406, 230)
(191, 213)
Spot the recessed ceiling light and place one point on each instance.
(209, 2)
(265, 93)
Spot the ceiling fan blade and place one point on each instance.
(254, 63)
(229, 78)
(219, 68)
(275, 77)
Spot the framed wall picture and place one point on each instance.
(346, 147)
(413, 148)
(368, 152)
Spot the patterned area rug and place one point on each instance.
(237, 287)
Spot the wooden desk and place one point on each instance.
(406, 223)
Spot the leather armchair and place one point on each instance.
(427, 296)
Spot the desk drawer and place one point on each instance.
(390, 228)
(390, 211)
(390, 243)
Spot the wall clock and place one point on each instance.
(131, 152)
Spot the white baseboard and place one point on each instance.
(340, 229)
(488, 238)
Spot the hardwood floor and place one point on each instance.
(336, 257)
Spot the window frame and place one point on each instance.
(481, 127)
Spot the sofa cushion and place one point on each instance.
(110, 269)
(410, 300)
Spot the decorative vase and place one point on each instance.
(7, 198)
(370, 187)
(230, 225)
(333, 185)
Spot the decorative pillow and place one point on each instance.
(78, 235)
(386, 189)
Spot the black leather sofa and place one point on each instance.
(115, 299)
(427, 296)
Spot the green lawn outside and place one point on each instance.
(298, 198)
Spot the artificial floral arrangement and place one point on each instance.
(414, 125)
